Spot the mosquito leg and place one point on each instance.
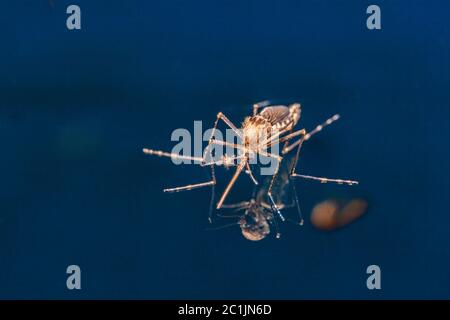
(212, 182)
(277, 228)
(171, 155)
(220, 116)
(325, 180)
(225, 161)
(250, 173)
(307, 136)
(213, 194)
(228, 144)
(321, 126)
(190, 186)
(230, 124)
(292, 135)
(238, 205)
(230, 216)
(296, 157)
(229, 161)
(270, 155)
(244, 205)
(231, 183)
(299, 143)
(297, 204)
(205, 152)
(269, 193)
(224, 226)
(273, 138)
(287, 148)
(286, 139)
(301, 132)
(294, 191)
(259, 105)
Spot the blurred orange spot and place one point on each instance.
(332, 214)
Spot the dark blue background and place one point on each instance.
(78, 106)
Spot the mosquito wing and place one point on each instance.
(275, 114)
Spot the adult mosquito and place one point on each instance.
(269, 125)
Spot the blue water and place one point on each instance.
(76, 108)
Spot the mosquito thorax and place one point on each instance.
(255, 129)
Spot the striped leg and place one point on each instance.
(306, 137)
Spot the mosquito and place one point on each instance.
(256, 220)
(258, 216)
(269, 125)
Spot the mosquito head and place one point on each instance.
(254, 225)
